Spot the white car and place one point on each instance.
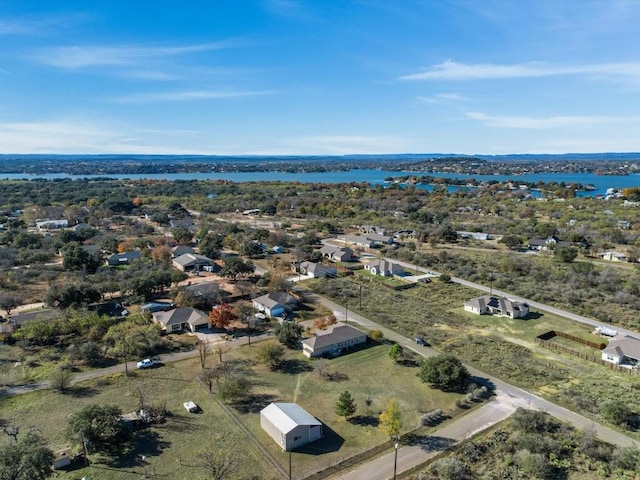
(147, 363)
(191, 407)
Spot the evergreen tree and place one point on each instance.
(345, 406)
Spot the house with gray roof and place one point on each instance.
(290, 425)
(181, 250)
(622, 351)
(180, 319)
(339, 339)
(546, 243)
(275, 304)
(384, 268)
(193, 262)
(337, 254)
(125, 258)
(317, 270)
(500, 306)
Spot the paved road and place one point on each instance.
(410, 456)
(520, 396)
(539, 306)
(6, 391)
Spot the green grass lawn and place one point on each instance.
(369, 375)
(499, 346)
(170, 448)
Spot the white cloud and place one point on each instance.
(345, 144)
(92, 56)
(441, 98)
(565, 121)
(186, 96)
(80, 137)
(37, 25)
(450, 70)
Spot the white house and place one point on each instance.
(317, 270)
(503, 307)
(625, 350)
(275, 304)
(290, 425)
(613, 256)
(333, 342)
(384, 268)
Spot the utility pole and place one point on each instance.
(395, 457)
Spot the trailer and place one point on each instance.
(606, 331)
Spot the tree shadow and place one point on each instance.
(254, 403)
(429, 443)
(408, 362)
(330, 442)
(336, 376)
(81, 392)
(364, 420)
(144, 443)
(294, 366)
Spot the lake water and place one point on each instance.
(600, 182)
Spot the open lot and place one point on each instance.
(170, 448)
(369, 375)
(501, 346)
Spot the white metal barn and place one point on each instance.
(290, 425)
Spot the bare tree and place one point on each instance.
(218, 463)
(204, 348)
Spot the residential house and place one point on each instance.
(546, 243)
(333, 342)
(193, 262)
(181, 250)
(625, 350)
(110, 309)
(613, 256)
(359, 241)
(125, 258)
(316, 270)
(289, 425)
(369, 240)
(153, 307)
(275, 304)
(81, 227)
(384, 268)
(52, 224)
(501, 306)
(474, 235)
(24, 318)
(179, 319)
(337, 254)
(373, 229)
(182, 222)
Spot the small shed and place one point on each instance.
(61, 459)
(290, 425)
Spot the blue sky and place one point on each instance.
(319, 77)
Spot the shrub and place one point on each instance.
(377, 335)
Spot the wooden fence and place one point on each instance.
(552, 333)
(584, 355)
